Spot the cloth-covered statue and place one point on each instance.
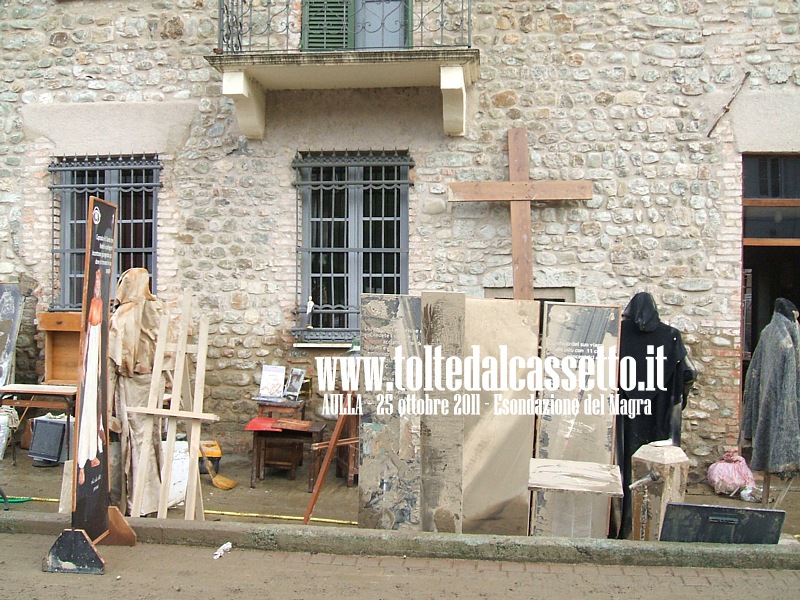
(771, 406)
(642, 334)
(132, 341)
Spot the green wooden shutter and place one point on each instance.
(327, 25)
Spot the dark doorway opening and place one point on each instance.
(770, 272)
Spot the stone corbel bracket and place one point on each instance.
(454, 99)
(248, 98)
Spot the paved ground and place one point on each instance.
(283, 499)
(169, 572)
(156, 570)
(278, 499)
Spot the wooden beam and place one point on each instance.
(521, 229)
(771, 242)
(490, 191)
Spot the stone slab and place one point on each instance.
(576, 330)
(497, 447)
(389, 475)
(443, 322)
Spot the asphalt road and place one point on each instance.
(175, 572)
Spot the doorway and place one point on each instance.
(771, 241)
(770, 272)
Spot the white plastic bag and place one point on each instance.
(730, 474)
(5, 434)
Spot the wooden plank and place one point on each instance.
(153, 403)
(179, 414)
(179, 380)
(520, 192)
(339, 444)
(771, 242)
(194, 508)
(33, 389)
(182, 394)
(575, 476)
(772, 202)
(519, 161)
(200, 351)
(534, 191)
(521, 250)
(292, 424)
(193, 500)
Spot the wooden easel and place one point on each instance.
(326, 462)
(181, 394)
(331, 445)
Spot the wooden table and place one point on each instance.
(267, 435)
(49, 397)
(291, 409)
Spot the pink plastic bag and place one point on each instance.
(730, 474)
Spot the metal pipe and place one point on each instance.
(651, 477)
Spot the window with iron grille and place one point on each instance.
(354, 219)
(131, 183)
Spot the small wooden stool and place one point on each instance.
(279, 443)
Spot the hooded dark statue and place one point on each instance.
(641, 328)
(770, 419)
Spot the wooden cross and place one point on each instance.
(520, 192)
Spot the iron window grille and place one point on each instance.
(131, 183)
(353, 216)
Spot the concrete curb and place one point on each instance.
(337, 540)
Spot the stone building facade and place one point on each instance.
(626, 95)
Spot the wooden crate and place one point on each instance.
(62, 342)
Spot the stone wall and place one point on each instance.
(624, 94)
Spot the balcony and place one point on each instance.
(344, 44)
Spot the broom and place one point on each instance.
(218, 481)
